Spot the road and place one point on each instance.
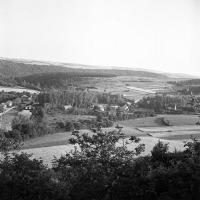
(9, 109)
(141, 90)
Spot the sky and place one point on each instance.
(160, 35)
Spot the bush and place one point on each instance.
(101, 169)
(69, 126)
(29, 128)
(25, 178)
(94, 169)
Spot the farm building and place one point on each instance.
(100, 107)
(9, 103)
(125, 108)
(25, 113)
(67, 107)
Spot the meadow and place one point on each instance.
(149, 130)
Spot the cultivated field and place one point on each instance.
(48, 153)
(179, 120)
(181, 127)
(150, 129)
(129, 86)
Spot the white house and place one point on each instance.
(4, 105)
(125, 108)
(68, 107)
(9, 103)
(100, 107)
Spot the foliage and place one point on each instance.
(6, 96)
(25, 178)
(24, 125)
(160, 103)
(38, 114)
(96, 162)
(102, 167)
(58, 79)
(29, 128)
(9, 141)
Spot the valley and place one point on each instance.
(84, 90)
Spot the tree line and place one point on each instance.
(57, 80)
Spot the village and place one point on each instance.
(70, 111)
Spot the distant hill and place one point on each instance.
(9, 68)
(21, 68)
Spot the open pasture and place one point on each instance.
(142, 122)
(180, 120)
(130, 86)
(48, 153)
(184, 127)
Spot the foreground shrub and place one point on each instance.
(101, 167)
(24, 178)
(95, 166)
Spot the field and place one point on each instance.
(50, 152)
(181, 128)
(149, 130)
(129, 86)
(48, 140)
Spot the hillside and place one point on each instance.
(10, 68)
(21, 68)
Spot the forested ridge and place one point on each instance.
(11, 68)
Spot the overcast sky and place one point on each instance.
(153, 34)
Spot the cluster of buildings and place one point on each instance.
(5, 106)
(23, 104)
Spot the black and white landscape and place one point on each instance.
(99, 100)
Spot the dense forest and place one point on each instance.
(159, 103)
(57, 80)
(78, 99)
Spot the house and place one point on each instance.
(24, 97)
(9, 103)
(28, 107)
(125, 108)
(128, 103)
(100, 107)
(67, 107)
(25, 113)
